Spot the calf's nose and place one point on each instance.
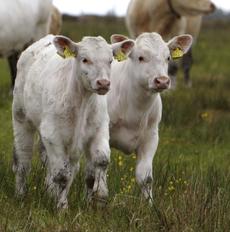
(162, 82)
(103, 83)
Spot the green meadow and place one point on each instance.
(191, 167)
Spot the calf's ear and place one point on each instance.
(179, 45)
(116, 38)
(122, 49)
(66, 48)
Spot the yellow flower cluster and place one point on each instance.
(127, 185)
(120, 161)
(127, 180)
(176, 184)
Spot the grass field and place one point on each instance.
(191, 167)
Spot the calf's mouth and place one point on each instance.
(102, 91)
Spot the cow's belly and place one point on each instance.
(124, 139)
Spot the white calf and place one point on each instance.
(134, 101)
(62, 99)
(168, 18)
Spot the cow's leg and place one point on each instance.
(59, 172)
(23, 148)
(42, 152)
(61, 165)
(96, 169)
(172, 71)
(89, 177)
(145, 154)
(12, 62)
(187, 62)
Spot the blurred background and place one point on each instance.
(103, 7)
(192, 164)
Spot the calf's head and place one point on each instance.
(149, 59)
(93, 57)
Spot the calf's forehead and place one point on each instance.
(152, 42)
(95, 48)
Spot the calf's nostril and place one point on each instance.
(99, 83)
(157, 81)
(103, 83)
(108, 83)
(162, 82)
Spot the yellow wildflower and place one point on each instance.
(204, 115)
(171, 188)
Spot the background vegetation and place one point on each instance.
(191, 167)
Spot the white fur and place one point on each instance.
(157, 16)
(58, 98)
(134, 103)
(22, 21)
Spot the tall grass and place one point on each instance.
(191, 168)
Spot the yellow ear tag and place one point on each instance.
(68, 53)
(120, 56)
(177, 53)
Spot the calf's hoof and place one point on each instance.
(63, 205)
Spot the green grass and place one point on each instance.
(191, 167)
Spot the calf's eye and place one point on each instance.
(85, 61)
(141, 58)
(168, 59)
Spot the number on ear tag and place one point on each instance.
(177, 53)
(120, 56)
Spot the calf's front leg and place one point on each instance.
(61, 166)
(98, 159)
(145, 155)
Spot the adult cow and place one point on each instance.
(169, 18)
(23, 22)
(62, 99)
(134, 101)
